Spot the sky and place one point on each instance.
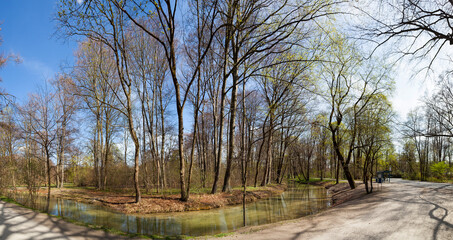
(28, 30)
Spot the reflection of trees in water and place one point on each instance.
(297, 201)
(139, 225)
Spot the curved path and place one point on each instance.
(400, 210)
(17, 223)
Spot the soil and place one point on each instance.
(341, 192)
(125, 203)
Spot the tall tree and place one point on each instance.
(350, 83)
(40, 110)
(104, 22)
(66, 107)
(96, 83)
(164, 13)
(374, 135)
(261, 30)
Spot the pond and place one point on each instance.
(297, 201)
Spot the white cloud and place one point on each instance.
(79, 1)
(38, 68)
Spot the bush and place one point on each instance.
(411, 176)
(440, 170)
(433, 179)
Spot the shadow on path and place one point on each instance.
(21, 223)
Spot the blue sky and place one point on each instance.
(28, 30)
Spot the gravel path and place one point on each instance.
(400, 210)
(18, 223)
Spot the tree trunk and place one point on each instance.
(341, 159)
(98, 151)
(220, 137)
(194, 140)
(136, 169)
(136, 152)
(162, 147)
(62, 152)
(337, 168)
(48, 174)
(226, 181)
(258, 160)
(107, 150)
(268, 166)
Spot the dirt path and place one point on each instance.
(401, 210)
(18, 223)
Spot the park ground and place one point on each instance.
(399, 210)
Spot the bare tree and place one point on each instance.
(96, 83)
(422, 29)
(9, 137)
(104, 22)
(66, 107)
(164, 13)
(40, 110)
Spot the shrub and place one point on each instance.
(439, 170)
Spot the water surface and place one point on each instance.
(297, 201)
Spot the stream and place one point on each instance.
(295, 202)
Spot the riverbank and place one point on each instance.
(124, 202)
(340, 192)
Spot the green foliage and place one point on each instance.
(6, 199)
(440, 170)
(411, 176)
(433, 179)
(220, 235)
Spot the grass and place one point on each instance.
(313, 180)
(251, 188)
(223, 234)
(8, 200)
(167, 191)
